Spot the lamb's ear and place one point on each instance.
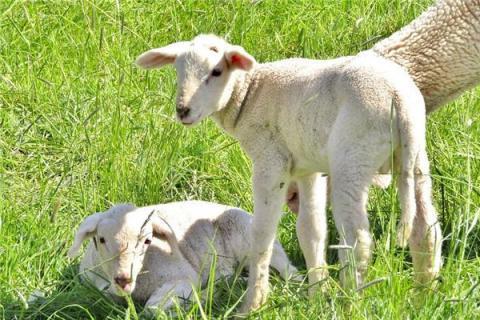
(87, 229)
(156, 58)
(163, 231)
(238, 58)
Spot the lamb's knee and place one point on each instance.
(312, 229)
(262, 238)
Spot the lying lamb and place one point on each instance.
(298, 117)
(158, 253)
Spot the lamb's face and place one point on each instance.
(121, 246)
(204, 82)
(206, 68)
(122, 235)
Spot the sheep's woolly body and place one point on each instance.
(440, 50)
(298, 117)
(255, 117)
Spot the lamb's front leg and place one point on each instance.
(270, 182)
(312, 227)
(168, 294)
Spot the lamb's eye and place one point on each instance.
(148, 241)
(216, 72)
(102, 240)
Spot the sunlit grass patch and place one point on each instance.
(82, 128)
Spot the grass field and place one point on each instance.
(82, 128)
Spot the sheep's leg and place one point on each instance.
(312, 227)
(169, 294)
(353, 163)
(426, 238)
(270, 182)
(281, 263)
(349, 211)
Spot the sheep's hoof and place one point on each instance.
(321, 288)
(426, 279)
(246, 308)
(254, 301)
(317, 281)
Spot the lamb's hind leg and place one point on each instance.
(426, 238)
(312, 227)
(350, 191)
(353, 163)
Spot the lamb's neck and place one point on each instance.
(440, 49)
(229, 117)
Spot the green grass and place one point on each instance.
(82, 128)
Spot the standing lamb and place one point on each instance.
(157, 253)
(298, 117)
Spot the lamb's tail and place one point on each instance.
(412, 138)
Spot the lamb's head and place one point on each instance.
(121, 237)
(206, 68)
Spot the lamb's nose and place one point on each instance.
(182, 112)
(123, 281)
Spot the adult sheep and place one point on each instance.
(440, 50)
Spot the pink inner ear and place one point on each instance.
(161, 235)
(236, 59)
(239, 61)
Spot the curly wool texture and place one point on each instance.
(440, 50)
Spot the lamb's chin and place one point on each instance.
(129, 288)
(190, 123)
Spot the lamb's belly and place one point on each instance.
(310, 163)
